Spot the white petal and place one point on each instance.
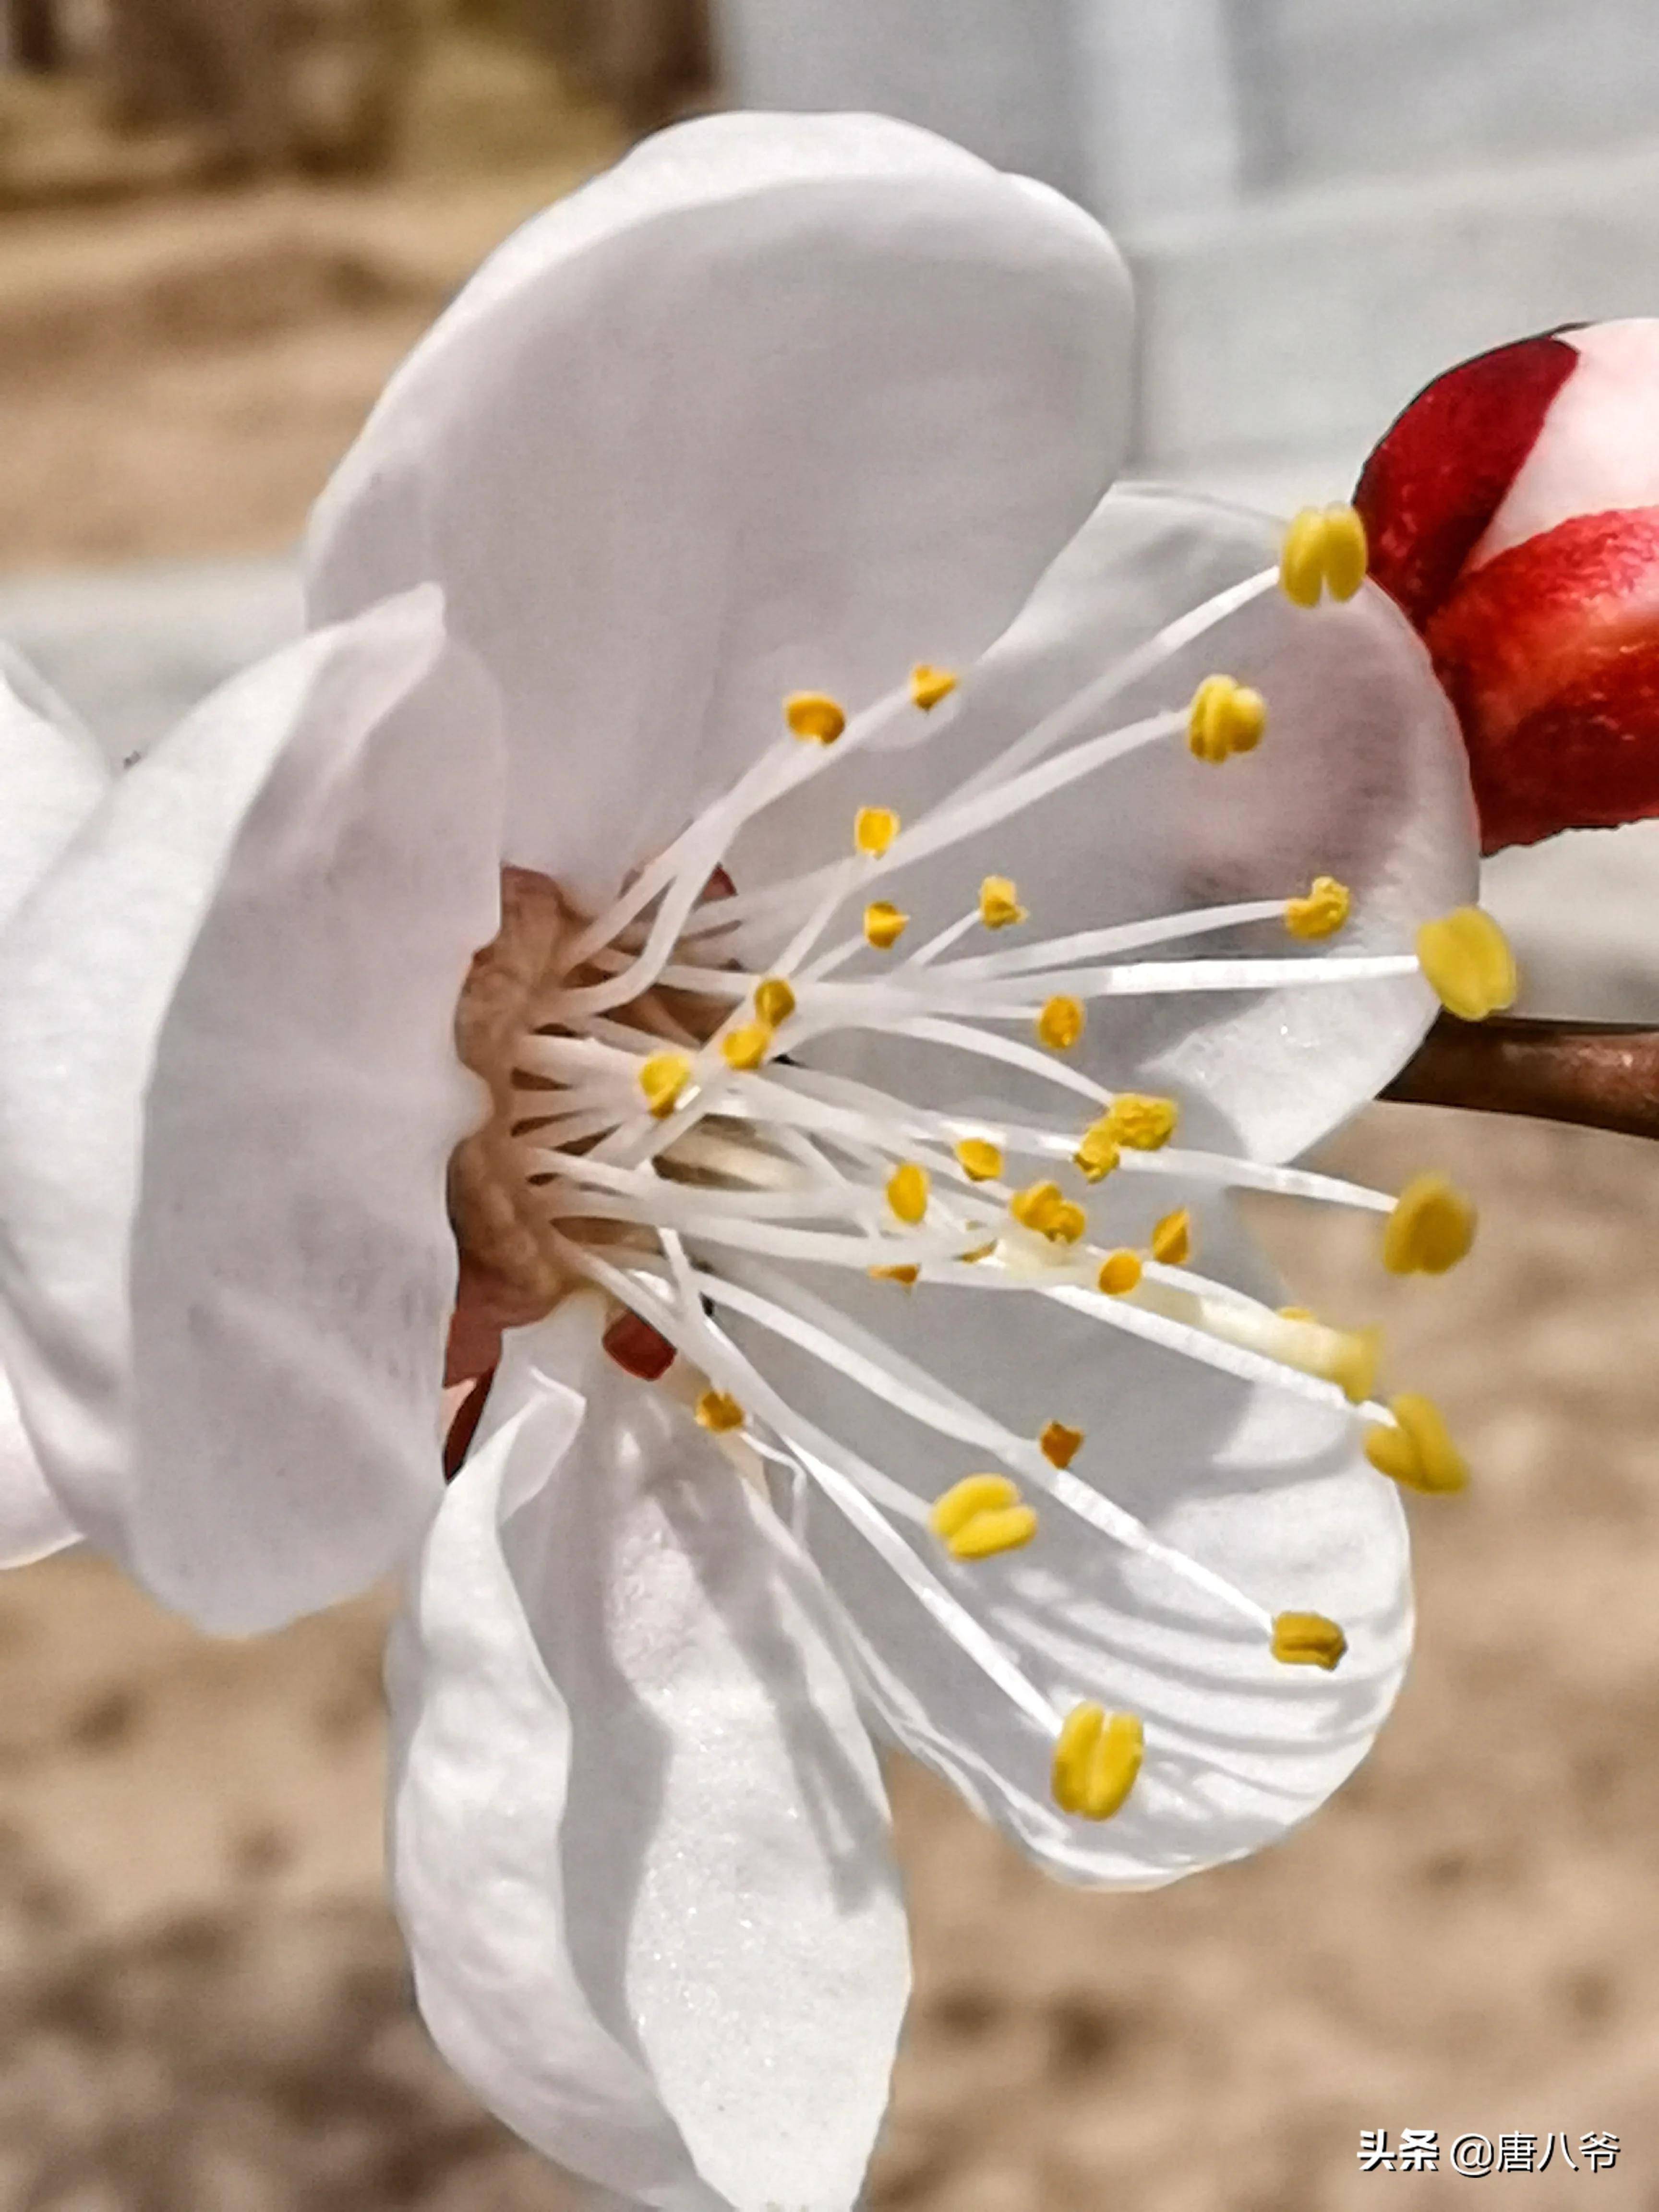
(1264, 1487)
(780, 404)
(1361, 775)
(635, 1809)
(227, 1094)
(51, 776)
(32, 1524)
(481, 1770)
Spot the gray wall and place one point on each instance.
(996, 75)
(1342, 88)
(1149, 108)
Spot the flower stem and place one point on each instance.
(1604, 1075)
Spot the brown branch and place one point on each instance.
(1604, 1075)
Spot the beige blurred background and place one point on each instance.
(221, 222)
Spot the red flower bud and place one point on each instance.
(1513, 512)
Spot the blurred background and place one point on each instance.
(221, 221)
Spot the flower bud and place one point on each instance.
(1513, 513)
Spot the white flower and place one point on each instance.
(779, 407)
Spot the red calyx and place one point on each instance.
(1549, 653)
(1550, 650)
(1441, 473)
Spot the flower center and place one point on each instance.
(662, 1127)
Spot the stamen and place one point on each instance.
(1324, 551)
(815, 715)
(906, 1272)
(1043, 1208)
(1430, 1229)
(1322, 912)
(979, 1162)
(999, 903)
(1225, 718)
(1099, 1151)
(1097, 1760)
(1144, 1124)
(929, 685)
(907, 1192)
(883, 925)
(982, 1515)
(1119, 1273)
(1157, 651)
(775, 1000)
(1060, 1445)
(1061, 1024)
(1418, 1452)
(1172, 1238)
(1468, 962)
(1308, 1639)
(745, 1048)
(874, 829)
(662, 1078)
(720, 1412)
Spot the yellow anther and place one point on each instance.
(987, 1533)
(662, 1078)
(746, 1047)
(1468, 962)
(1308, 1639)
(1069, 1223)
(874, 829)
(1226, 717)
(1322, 912)
(1296, 1313)
(979, 1252)
(1119, 1273)
(980, 1160)
(1430, 1229)
(907, 1192)
(981, 1515)
(1144, 1124)
(929, 685)
(1037, 1207)
(1061, 1024)
(905, 1272)
(1060, 1445)
(1417, 1452)
(774, 1001)
(718, 1411)
(1096, 1759)
(883, 925)
(999, 903)
(1324, 551)
(975, 1493)
(1302, 560)
(815, 715)
(1172, 1238)
(1098, 1153)
(1347, 557)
